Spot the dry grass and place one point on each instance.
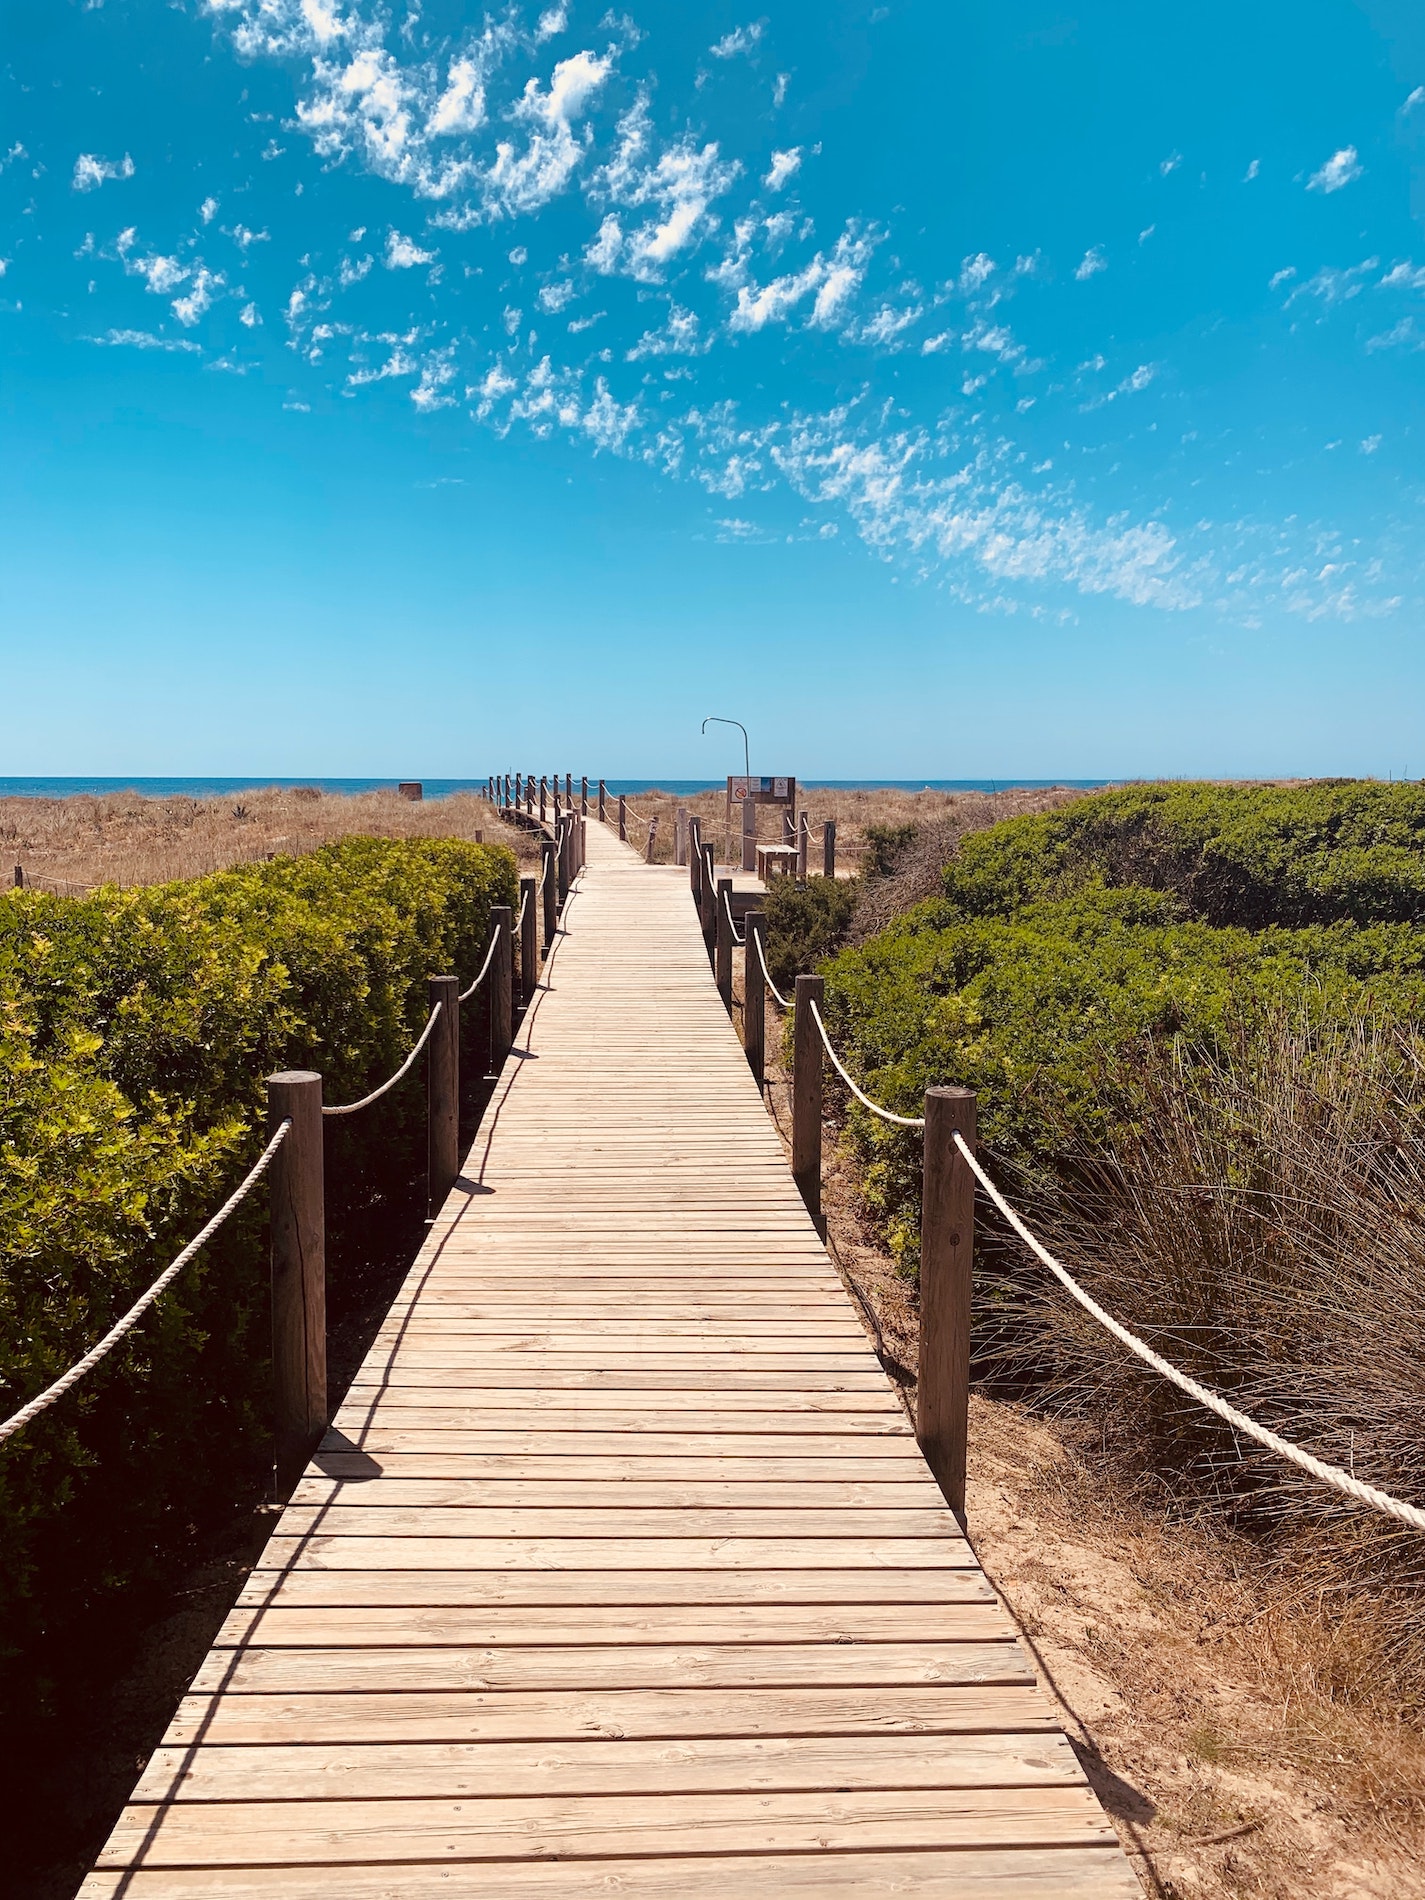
(74, 844)
(942, 818)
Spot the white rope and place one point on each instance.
(350, 1108)
(727, 906)
(519, 925)
(1315, 1467)
(767, 975)
(465, 995)
(901, 1121)
(45, 1399)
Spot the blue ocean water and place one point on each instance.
(443, 787)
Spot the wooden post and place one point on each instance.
(707, 894)
(529, 939)
(584, 795)
(299, 1273)
(568, 788)
(442, 1093)
(556, 799)
(19, 877)
(806, 1098)
(652, 840)
(622, 819)
(543, 784)
(722, 965)
(749, 834)
(603, 802)
(551, 912)
(680, 835)
(695, 860)
(803, 846)
(502, 976)
(754, 996)
(561, 860)
(947, 1251)
(518, 780)
(828, 849)
(789, 833)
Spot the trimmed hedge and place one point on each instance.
(136, 1029)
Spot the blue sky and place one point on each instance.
(941, 389)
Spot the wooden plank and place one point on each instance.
(386, 1771)
(529, 1715)
(323, 1551)
(1017, 1873)
(524, 1589)
(350, 1517)
(691, 1493)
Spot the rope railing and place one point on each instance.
(465, 995)
(1332, 1475)
(727, 906)
(43, 1400)
(350, 1108)
(901, 1121)
(783, 1002)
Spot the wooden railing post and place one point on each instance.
(299, 1274)
(529, 939)
(803, 846)
(557, 807)
(584, 795)
(749, 835)
(754, 996)
(707, 894)
(442, 1092)
(502, 976)
(529, 794)
(828, 849)
(603, 803)
(722, 965)
(518, 796)
(551, 902)
(652, 840)
(622, 819)
(680, 835)
(543, 786)
(806, 1098)
(947, 1251)
(695, 861)
(561, 859)
(568, 788)
(789, 833)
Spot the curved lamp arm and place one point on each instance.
(713, 719)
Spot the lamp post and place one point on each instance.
(715, 719)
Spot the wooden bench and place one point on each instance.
(776, 860)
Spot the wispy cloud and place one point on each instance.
(784, 166)
(741, 39)
(1340, 170)
(1093, 262)
(145, 340)
(91, 172)
(403, 253)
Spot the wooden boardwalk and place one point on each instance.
(620, 1572)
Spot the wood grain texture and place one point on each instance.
(619, 1569)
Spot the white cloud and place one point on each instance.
(1093, 262)
(603, 253)
(523, 181)
(403, 253)
(352, 269)
(741, 39)
(188, 309)
(142, 340)
(1341, 169)
(779, 90)
(994, 340)
(245, 238)
(829, 281)
(91, 172)
(1404, 276)
(552, 22)
(1414, 99)
(785, 165)
(1146, 233)
(975, 273)
(1332, 286)
(1371, 444)
(888, 324)
(553, 297)
(680, 336)
(1252, 171)
(1281, 277)
(250, 315)
(1170, 163)
(1404, 336)
(208, 210)
(460, 109)
(1131, 385)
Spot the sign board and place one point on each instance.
(762, 791)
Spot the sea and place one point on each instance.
(444, 787)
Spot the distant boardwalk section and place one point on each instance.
(620, 1571)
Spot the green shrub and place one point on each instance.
(884, 846)
(136, 1029)
(805, 922)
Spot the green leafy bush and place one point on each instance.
(805, 922)
(1066, 937)
(884, 846)
(136, 1029)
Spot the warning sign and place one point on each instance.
(762, 791)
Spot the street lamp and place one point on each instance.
(713, 719)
